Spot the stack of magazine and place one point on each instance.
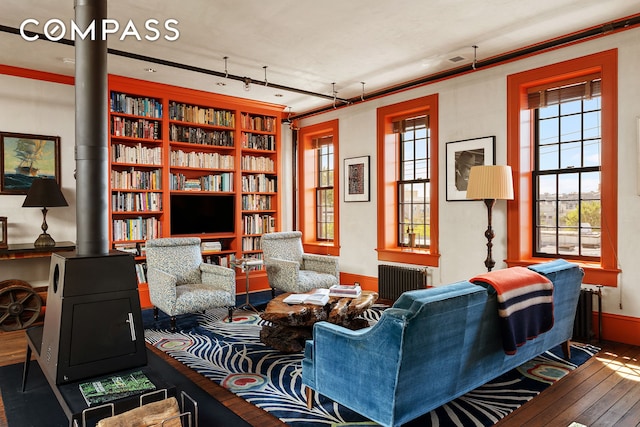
(115, 387)
(345, 290)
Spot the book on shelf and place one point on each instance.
(141, 273)
(345, 290)
(317, 297)
(129, 247)
(211, 246)
(115, 387)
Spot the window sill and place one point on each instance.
(594, 273)
(409, 256)
(321, 248)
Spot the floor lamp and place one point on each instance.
(490, 183)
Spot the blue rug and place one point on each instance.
(232, 355)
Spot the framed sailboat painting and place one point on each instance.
(25, 157)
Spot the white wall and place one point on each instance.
(41, 108)
(471, 106)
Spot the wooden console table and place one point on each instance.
(24, 301)
(27, 250)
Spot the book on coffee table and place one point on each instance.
(317, 297)
(345, 291)
(115, 387)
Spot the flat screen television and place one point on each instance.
(202, 213)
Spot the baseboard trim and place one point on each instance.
(618, 328)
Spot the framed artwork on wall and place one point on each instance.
(24, 157)
(356, 179)
(461, 156)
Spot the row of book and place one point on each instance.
(251, 243)
(198, 159)
(201, 115)
(258, 224)
(218, 182)
(137, 106)
(136, 202)
(136, 179)
(258, 141)
(224, 260)
(260, 123)
(258, 163)
(193, 135)
(136, 229)
(138, 154)
(135, 128)
(258, 183)
(256, 202)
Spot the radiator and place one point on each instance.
(394, 280)
(583, 329)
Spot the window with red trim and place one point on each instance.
(407, 181)
(562, 147)
(318, 199)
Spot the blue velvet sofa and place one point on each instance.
(432, 346)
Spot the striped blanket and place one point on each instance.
(525, 304)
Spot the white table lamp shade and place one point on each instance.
(490, 182)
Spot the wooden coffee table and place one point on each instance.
(292, 325)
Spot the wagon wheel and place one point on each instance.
(19, 305)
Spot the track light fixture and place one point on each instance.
(288, 119)
(333, 89)
(247, 84)
(475, 57)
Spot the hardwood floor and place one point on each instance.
(605, 391)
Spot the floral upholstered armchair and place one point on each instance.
(290, 269)
(180, 282)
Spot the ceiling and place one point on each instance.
(328, 48)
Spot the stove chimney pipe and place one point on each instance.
(91, 150)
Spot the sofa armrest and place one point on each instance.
(321, 263)
(218, 277)
(336, 358)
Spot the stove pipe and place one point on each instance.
(91, 150)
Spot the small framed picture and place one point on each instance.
(461, 156)
(25, 157)
(356, 179)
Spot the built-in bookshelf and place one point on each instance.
(192, 163)
(259, 180)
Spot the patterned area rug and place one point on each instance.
(232, 355)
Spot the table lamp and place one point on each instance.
(490, 183)
(44, 193)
